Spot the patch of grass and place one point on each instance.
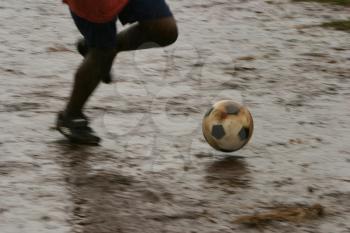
(338, 2)
(343, 25)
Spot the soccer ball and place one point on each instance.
(227, 126)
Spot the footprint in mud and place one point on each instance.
(229, 172)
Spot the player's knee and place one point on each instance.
(168, 34)
(171, 35)
(163, 32)
(102, 55)
(101, 58)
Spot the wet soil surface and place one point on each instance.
(154, 172)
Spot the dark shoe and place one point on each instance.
(83, 49)
(76, 129)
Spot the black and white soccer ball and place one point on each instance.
(227, 126)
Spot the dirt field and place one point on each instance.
(154, 172)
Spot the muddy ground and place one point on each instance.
(154, 172)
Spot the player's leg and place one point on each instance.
(72, 122)
(142, 35)
(155, 26)
(101, 45)
(101, 39)
(148, 34)
(88, 76)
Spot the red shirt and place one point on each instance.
(96, 11)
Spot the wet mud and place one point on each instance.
(154, 172)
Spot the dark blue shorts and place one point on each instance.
(104, 35)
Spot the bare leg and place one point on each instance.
(87, 78)
(161, 33)
(98, 62)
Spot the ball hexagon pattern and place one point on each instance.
(218, 131)
(227, 126)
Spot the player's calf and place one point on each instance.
(106, 76)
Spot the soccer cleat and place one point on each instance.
(83, 49)
(76, 129)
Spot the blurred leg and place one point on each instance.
(160, 32)
(98, 62)
(95, 66)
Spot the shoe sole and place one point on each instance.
(77, 141)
